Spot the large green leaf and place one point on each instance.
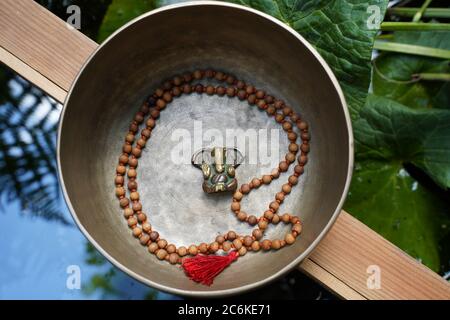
(339, 31)
(393, 72)
(388, 130)
(383, 195)
(120, 12)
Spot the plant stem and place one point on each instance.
(432, 76)
(420, 12)
(428, 13)
(411, 49)
(395, 26)
(389, 36)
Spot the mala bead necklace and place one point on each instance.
(201, 262)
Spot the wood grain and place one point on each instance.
(329, 281)
(43, 41)
(32, 75)
(351, 247)
(40, 47)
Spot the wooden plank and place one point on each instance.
(329, 281)
(43, 41)
(32, 75)
(50, 55)
(351, 247)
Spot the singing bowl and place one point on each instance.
(111, 87)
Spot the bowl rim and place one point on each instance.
(309, 249)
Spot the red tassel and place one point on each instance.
(204, 268)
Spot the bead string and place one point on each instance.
(154, 104)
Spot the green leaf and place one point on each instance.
(339, 31)
(390, 131)
(120, 12)
(432, 39)
(383, 195)
(393, 73)
(386, 198)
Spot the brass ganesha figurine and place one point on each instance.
(218, 165)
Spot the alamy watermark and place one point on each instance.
(374, 278)
(73, 281)
(74, 19)
(374, 19)
(259, 146)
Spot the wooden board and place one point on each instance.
(41, 48)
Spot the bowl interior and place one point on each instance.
(129, 66)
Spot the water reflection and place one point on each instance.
(40, 244)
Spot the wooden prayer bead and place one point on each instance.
(173, 258)
(252, 220)
(302, 125)
(231, 235)
(257, 234)
(182, 251)
(153, 247)
(137, 232)
(266, 179)
(132, 222)
(255, 246)
(141, 217)
(124, 202)
(237, 244)
(147, 227)
(193, 250)
(256, 183)
(220, 239)
(283, 166)
(268, 215)
(144, 239)
(248, 241)
(120, 191)
(226, 246)
(285, 218)
(276, 244)
(245, 188)
(162, 243)
(266, 245)
(230, 91)
(203, 248)
(289, 238)
(171, 248)
(238, 196)
(241, 216)
(242, 251)
(262, 224)
(214, 246)
(154, 235)
(297, 228)
(275, 219)
(161, 254)
(128, 212)
(286, 188)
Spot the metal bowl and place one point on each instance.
(127, 67)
